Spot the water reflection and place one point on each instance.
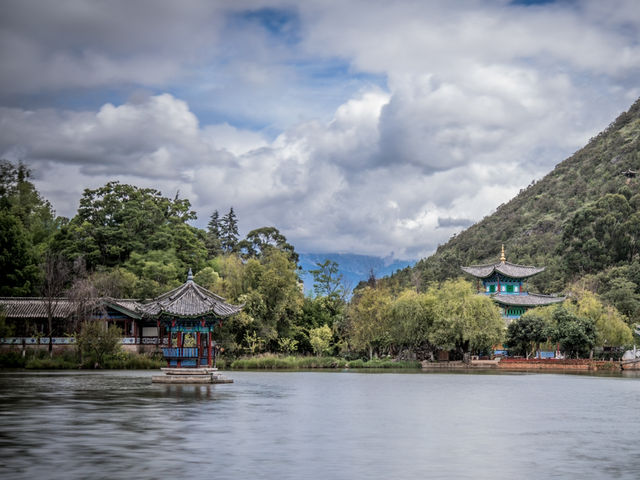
(319, 425)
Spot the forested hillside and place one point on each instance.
(581, 221)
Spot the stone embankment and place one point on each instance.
(522, 364)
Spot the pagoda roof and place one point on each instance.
(190, 300)
(527, 300)
(509, 269)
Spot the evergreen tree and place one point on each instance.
(214, 230)
(229, 232)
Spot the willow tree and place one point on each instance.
(369, 320)
(462, 320)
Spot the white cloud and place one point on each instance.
(350, 126)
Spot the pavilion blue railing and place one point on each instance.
(180, 352)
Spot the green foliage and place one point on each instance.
(462, 320)
(27, 223)
(287, 345)
(270, 361)
(327, 280)
(369, 320)
(320, 339)
(12, 359)
(525, 335)
(117, 220)
(96, 342)
(133, 361)
(214, 231)
(610, 325)
(259, 241)
(411, 316)
(229, 232)
(576, 335)
(208, 278)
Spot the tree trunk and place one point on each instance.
(50, 336)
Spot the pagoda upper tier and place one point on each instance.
(508, 269)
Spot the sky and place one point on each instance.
(370, 127)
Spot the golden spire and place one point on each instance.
(502, 257)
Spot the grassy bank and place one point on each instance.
(40, 360)
(276, 362)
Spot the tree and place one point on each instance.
(229, 232)
(27, 223)
(320, 339)
(462, 320)
(525, 335)
(621, 293)
(411, 319)
(17, 262)
(576, 335)
(327, 279)
(611, 328)
(260, 240)
(116, 220)
(274, 298)
(97, 341)
(214, 231)
(369, 320)
(56, 274)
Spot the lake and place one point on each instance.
(319, 425)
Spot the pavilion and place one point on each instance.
(188, 316)
(505, 283)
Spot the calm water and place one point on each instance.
(320, 425)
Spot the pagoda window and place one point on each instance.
(509, 288)
(516, 288)
(492, 288)
(503, 288)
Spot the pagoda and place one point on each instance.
(188, 315)
(504, 283)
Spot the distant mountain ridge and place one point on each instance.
(534, 225)
(353, 267)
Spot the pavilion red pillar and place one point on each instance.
(209, 349)
(198, 350)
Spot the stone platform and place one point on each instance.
(190, 375)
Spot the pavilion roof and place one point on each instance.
(509, 269)
(527, 300)
(188, 301)
(62, 307)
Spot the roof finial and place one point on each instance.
(502, 257)
(190, 276)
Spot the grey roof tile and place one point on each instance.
(512, 270)
(527, 300)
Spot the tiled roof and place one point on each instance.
(36, 307)
(527, 300)
(506, 268)
(189, 300)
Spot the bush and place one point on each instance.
(379, 363)
(55, 363)
(12, 360)
(270, 361)
(97, 342)
(133, 361)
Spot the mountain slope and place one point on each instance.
(532, 224)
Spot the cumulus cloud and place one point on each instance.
(352, 127)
